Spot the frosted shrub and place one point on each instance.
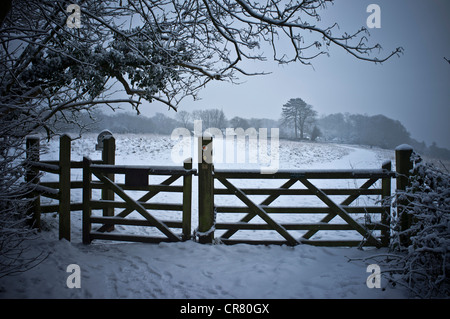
(14, 203)
(423, 261)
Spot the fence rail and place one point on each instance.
(306, 174)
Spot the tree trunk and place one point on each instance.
(302, 128)
(296, 128)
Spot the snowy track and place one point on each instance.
(190, 270)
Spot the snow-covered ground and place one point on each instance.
(191, 270)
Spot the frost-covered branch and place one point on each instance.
(172, 50)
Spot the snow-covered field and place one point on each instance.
(191, 270)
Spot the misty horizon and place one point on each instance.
(255, 118)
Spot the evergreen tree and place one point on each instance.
(298, 114)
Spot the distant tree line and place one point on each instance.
(376, 130)
(120, 123)
(298, 121)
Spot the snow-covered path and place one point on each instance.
(190, 270)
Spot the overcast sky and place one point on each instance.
(413, 88)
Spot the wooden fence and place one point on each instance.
(106, 171)
(61, 190)
(136, 178)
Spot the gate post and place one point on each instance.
(108, 157)
(64, 186)
(404, 165)
(32, 177)
(187, 200)
(87, 195)
(386, 203)
(205, 191)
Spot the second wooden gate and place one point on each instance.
(136, 178)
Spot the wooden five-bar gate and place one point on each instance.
(376, 182)
(209, 211)
(136, 178)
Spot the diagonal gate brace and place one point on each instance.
(259, 211)
(138, 207)
(144, 198)
(347, 201)
(270, 199)
(341, 212)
